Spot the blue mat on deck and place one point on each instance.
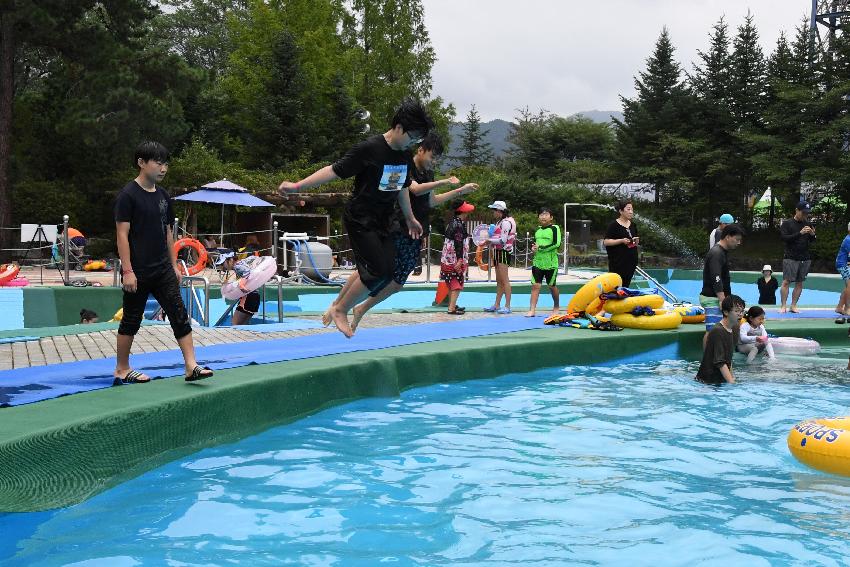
(773, 313)
(287, 325)
(28, 385)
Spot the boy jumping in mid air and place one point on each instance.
(547, 241)
(381, 166)
(422, 200)
(143, 221)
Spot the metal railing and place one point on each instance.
(666, 292)
(189, 282)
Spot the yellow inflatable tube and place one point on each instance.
(823, 444)
(626, 305)
(592, 290)
(662, 320)
(691, 314)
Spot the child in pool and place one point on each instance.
(753, 337)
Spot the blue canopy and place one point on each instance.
(219, 197)
(223, 193)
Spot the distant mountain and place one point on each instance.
(499, 131)
(601, 115)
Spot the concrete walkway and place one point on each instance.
(155, 338)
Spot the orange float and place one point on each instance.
(479, 258)
(8, 272)
(195, 245)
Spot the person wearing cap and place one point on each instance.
(501, 252)
(843, 268)
(453, 259)
(544, 268)
(714, 237)
(422, 200)
(797, 233)
(621, 243)
(249, 304)
(767, 285)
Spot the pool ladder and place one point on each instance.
(668, 295)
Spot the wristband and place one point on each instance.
(125, 272)
(297, 187)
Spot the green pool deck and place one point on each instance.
(60, 452)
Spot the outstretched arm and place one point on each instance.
(324, 175)
(420, 188)
(436, 200)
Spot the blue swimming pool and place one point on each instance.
(623, 463)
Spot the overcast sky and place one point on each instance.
(572, 55)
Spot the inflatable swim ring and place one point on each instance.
(478, 258)
(480, 234)
(259, 270)
(823, 444)
(592, 290)
(118, 315)
(691, 314)
(626, 305)
(662, 320)
(17, 282)
(94, 265)
(8, 272)
(795, 345)
(195, 245)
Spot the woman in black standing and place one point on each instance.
(621, 242)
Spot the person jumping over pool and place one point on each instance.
(716, 364)
(144, 220)
(547, 241)
(381, 166)
(422, 200)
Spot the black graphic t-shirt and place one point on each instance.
(151, 217)
(715, 273)
(379, 172)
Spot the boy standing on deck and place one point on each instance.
(143, 221)
(716, 281)
(547, 241)
(381, 166)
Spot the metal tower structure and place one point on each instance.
(834, 15)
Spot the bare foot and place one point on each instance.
(555, 311)
(530, 314)
(783, 309)
(357, 313)
(341, 321)
(794, 309)
(326, 316)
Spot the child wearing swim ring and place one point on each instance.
(753, 338)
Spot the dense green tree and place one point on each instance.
(475, 150)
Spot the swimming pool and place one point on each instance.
(592, 464)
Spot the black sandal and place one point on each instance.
(198, 373)
(456, 312)
(132, 377)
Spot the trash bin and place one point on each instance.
(579, 231)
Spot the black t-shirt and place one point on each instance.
(718, 351)
(421, 204)
(767, 291)
(796, 244)
(379, 172)
(151, 217)
(715, 273)
(621, 254)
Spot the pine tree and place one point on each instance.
(474, 149)
(651, 146)
(748, 76)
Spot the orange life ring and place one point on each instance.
(8, 272)
(479, 253)
(197, 247)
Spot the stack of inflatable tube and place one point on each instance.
(691, 314)
(588, 295)
(628, 304)
(795, 345)
(823, 444)
(8, 272)
(662, 320)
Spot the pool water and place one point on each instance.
(631, 462)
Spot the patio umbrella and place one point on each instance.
(223, 193)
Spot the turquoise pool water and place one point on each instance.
(632, 463)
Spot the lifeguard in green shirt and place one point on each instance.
(547, 241)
